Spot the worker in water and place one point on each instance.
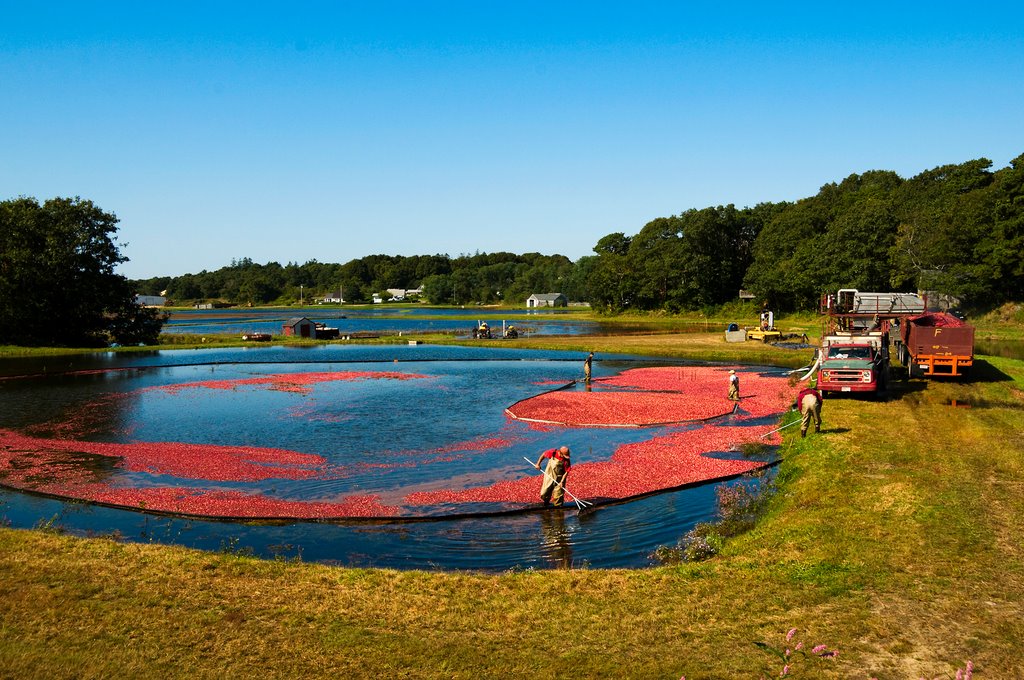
(809, 403)
(734, 386)
(587, 367)
(552, 489)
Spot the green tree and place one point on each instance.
(57, 279)
(437, 289)
(1003, 249)
(941, 221)
(614, 282)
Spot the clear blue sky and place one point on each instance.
(329, 131)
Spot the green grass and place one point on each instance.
(896, 536)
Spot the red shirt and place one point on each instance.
(555, 453)
(805, 392)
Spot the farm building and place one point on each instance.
(151, 300)
(300, 326)
(546, 300)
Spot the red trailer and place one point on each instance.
(936, 344)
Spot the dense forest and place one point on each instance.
(956, 230)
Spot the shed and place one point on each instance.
(300, 326)
(546, 300)
(151, 300)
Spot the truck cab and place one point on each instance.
(853, 363)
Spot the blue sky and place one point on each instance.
(330, 131)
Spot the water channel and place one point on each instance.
(385, 320)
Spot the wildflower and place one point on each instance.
(790, 634)
(819, 649)
(799, 645)
(785, 671)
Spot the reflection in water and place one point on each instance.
(557, 544)
(1008, 349)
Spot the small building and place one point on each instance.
(403, 294)
(151, 300)
(377, 299)
(546, 300)
(299, 326)
(335, 297)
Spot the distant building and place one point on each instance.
(400, 294)
(335, 297)
(299, 326)
(547, 300)
(151, 300)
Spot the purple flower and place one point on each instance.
(790, 634)
(819, 649)
(785, 671)
(799, 646)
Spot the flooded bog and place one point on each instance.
(385, 456)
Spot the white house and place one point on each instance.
(547, 300)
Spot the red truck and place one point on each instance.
(853, 363)
(935, 344)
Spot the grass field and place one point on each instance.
(896, 538)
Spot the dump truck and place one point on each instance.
(854, 362)
(935, 344)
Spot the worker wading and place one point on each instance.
(552, 490)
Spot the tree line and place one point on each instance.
(955, 229)
(482, 277)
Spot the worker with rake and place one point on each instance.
(552, 490)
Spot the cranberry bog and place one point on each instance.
(388, 456)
